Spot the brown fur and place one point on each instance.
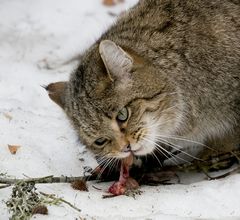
(174, 64)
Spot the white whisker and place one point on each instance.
(149, 140)
(113, 164)
(104, 167)
(176, 147)
(157, 158)
(172, 156)
(184, 139)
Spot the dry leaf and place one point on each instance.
(112, 2)
(13, 148)
(79, 185)
(40, 209)
(109, 2)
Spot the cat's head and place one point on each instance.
(118, 102)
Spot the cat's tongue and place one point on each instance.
(125, 182)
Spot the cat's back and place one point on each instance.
(203, 34)
(182, 37)
(151, 19)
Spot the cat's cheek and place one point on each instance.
(145, 149)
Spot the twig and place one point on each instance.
(51, 196)
(96, 188)
(108, 196)
(5, 186)
(46, 179)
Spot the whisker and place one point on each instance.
(171, 155)
(185, 139)
(100, 160)
(103, 160)
(175, 157)
(99, 156)
(157, 158)
(177, 147)
(113, 164)
(150, 141)
(104, 167)
(99, 165)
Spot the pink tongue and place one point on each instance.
(124, 182)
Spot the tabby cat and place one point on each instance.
(164, 77)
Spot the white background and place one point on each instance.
(37, 33)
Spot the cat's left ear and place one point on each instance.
(117, 62)
(56, 92)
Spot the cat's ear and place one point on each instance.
(56, 91)
(117, 62)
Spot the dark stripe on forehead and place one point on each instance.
(77, 80)
(92, 117)
(97, 108)
(145, 98)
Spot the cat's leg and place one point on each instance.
(226, 143)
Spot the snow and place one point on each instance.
(46, 33)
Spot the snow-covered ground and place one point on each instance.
(38, 34)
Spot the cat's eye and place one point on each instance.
(100, 142)
(122, 115)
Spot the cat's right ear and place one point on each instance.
(56, 92)
(117, 61)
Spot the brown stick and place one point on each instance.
(46, 179)
(5, 186)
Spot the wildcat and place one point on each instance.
(164, 77)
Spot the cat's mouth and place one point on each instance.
(137, 149)
(133, 152)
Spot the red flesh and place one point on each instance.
(125, 182)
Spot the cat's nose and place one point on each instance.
(127, 148)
